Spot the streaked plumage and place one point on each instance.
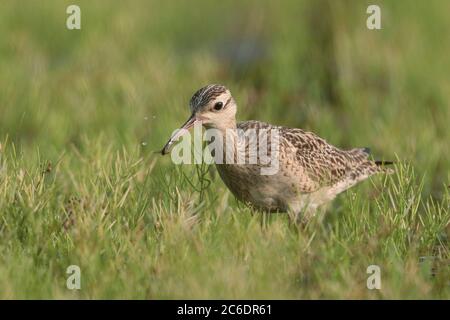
(311, 171)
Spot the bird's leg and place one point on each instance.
(293, 216)
(302, 217)
(308, 214)
(264, 219)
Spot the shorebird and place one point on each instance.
(311, 171)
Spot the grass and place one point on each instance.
(82, 113)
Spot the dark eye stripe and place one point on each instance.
(225, 105)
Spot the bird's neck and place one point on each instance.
(228, 131)
(228, 144)
(228, 125)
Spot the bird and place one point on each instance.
(311, 172)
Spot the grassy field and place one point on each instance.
(82, 113)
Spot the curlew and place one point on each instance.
(310, 171)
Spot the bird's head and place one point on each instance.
(213, 107)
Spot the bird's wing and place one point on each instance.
(321, 163)
(313, 160)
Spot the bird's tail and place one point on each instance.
(381, 166)
(383, 163)
(378, 166)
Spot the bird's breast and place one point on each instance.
(265, 192)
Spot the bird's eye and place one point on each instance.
(218, 106)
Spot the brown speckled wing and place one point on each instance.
(315, 162)
(323, 163)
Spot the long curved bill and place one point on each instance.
(179, 133)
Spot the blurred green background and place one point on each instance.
(72, 100)
(309, 64)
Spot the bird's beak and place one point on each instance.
(179, 133)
